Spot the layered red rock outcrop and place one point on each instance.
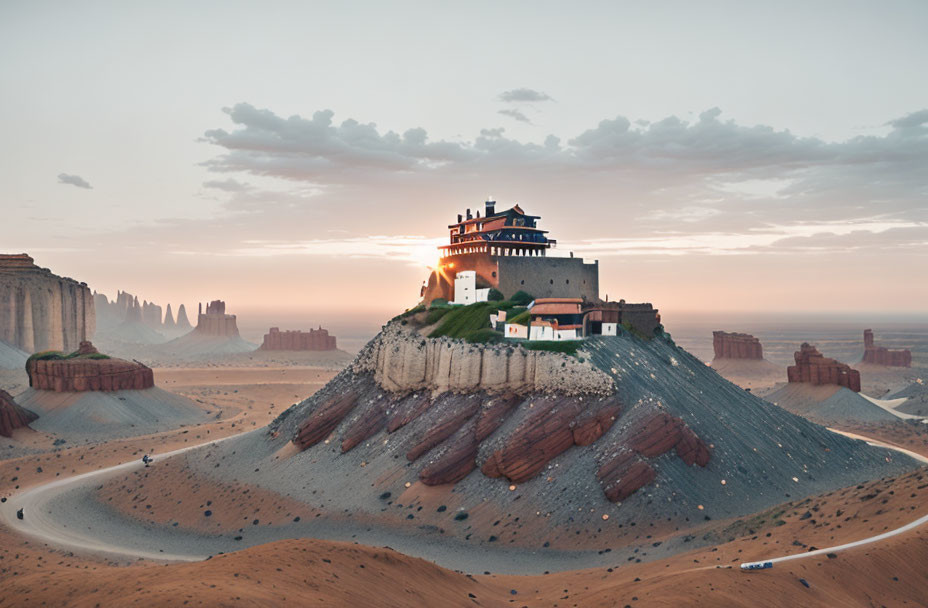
(625, 470)
(215, 321)
(41, 311)
(12, 416)
(549, 425)
(314, 339)
(82, 372)
(731, 345)
(556, 424)
(814, 368)
(880, 355)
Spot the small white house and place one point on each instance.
(514, 330)
(610, 329)
(543, 330)
(465, 288)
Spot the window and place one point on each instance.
(567, 281)
(494, 274)
(552, 281)
(523, 282)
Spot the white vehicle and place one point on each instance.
(747, 566)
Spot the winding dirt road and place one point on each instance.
(39, 525)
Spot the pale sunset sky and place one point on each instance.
(302, 160)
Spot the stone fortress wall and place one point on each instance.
(540, 276)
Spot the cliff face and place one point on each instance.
(880, 355)
(81, 373)
(41, 311)
(314, 339)
(812, 367)
(730, 345)
(403, 361)
(12, 416)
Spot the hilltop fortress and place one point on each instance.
(507, 251)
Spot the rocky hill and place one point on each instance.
(439, 439)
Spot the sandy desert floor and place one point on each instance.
(315, 572)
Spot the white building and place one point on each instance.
(610, 329)
(465, 288)
(514, 330)
(543, 330)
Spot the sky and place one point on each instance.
(302, 160)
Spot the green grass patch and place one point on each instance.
(436, 314)
(460, 321)
(521, 298)
(484, 336)
(57, 355)
(568, 347)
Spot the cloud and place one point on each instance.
(515, 115)
(784, 238)
(724, 187)
(74, 180)
(524, 96)
(315, 148)
(227, 185)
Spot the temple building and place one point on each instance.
(507, 251)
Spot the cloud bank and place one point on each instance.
(73, 180)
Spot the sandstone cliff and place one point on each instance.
(814, 368)
(403, 361)
(880, 355)
(42, 311)
(83, 371)
(12, 416)
(215, 321)
(729, 345)
(314, 339)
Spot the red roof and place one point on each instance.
(556, 306)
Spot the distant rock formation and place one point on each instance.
(169, 319)
(215, 321)
(314, 339)
(12, 416)
(86, 370)
(151, 314)
(403, 361)
(730, 345)
(880, 355)
(183, 323)
(814, 368)
(41, 311)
